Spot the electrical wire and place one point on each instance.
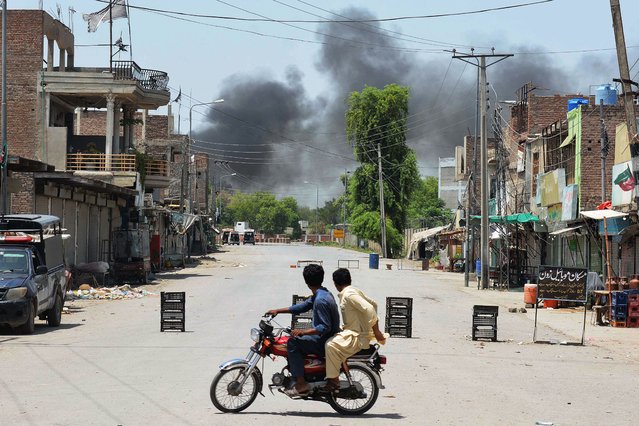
(399, 18)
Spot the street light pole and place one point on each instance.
(316, 207)
(222, 177)
(186, 157)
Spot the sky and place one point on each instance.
(285, 84)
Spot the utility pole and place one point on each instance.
(483, 150)
(628, 95)
(381, 198)
(346, 172)
(604, 150)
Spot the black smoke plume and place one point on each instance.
(275, 136)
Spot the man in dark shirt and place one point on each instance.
(310, 340)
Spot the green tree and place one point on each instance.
(377, 117)
(426, 209)
(264, 212)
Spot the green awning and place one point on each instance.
(512, 218)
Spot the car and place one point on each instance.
(33, 278)
(249, 237)
(234, 238)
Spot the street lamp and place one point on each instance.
(187, 156)
(220, 193)
(316, 207)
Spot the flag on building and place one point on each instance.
(118, 10)
(625, 180)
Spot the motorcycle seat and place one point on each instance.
(366, 352)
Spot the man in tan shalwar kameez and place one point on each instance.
(359, 313)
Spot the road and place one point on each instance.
(108, 364)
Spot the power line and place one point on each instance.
(398, 18)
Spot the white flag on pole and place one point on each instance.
(118, 10)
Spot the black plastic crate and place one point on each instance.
(397, 331)
(303, 320)
(485, 322)
(172, 310)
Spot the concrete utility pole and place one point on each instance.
(483, 150)
(346, 172)
(604, 152)
(626, 84)
(381, 198)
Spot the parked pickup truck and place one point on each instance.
(32, 271)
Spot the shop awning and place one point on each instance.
(601, 214)
(565, 230)
(512, 218)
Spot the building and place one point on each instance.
(450, 189)
(90, 181)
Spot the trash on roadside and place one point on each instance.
(107, 293)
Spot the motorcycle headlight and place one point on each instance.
(15, 293)
(255, 334)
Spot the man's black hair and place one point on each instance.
(313, 275)
(342, 277)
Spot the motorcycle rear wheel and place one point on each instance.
(356, 406)
(226, 394)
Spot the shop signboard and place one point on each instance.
(562, 284)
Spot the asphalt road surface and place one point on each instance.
(109, 364)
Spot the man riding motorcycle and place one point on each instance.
(311, 340)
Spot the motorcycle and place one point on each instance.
(239, 380)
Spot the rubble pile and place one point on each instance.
(107, 293)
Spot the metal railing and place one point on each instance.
(157, 168)
(101, 162)
(148, 79)
(114, 163)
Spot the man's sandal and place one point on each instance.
(331, 387)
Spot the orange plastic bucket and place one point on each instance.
(530, 294)
(551, 304)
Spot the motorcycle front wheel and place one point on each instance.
(357, 401)
(228, 395)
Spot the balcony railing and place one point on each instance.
(157, 168)
(114, 163)
(101, 162)
(149, 79)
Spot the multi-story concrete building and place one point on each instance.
(89, 181)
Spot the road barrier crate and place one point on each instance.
(400, 331)
(399, 316)
(633, 299)
(633, 310)
(172, 310)
(619, 298)
(632, 322)
(485, 322)
(303, 320)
